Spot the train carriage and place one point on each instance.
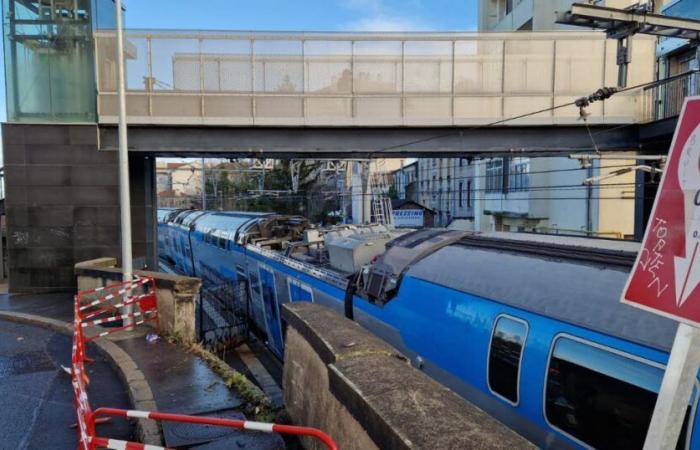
(527, 327)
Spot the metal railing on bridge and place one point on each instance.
(664, 99)
(365, 79)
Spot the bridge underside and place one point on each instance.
(338, 143)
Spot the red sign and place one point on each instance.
(666, 276)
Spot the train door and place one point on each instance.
(271, 309)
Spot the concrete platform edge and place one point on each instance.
(139, 390)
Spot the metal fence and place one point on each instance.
(223, 312)
(665, 98)
(365, 79)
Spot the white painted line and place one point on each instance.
(258, 426)
(139, 414)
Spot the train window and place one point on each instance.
(506, 351)
(602, 397)
(222, 242)
(299, 292)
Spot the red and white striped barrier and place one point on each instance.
(92, 314)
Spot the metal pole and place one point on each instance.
(124, 197)
(676, 388)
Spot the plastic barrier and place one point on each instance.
(97, 307)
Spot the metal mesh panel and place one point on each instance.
(427, 66)
(478, 66)
(361, 80)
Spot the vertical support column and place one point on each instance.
(151, 83)
(352, 79)
(201, 78)
(252, 80)
(554, 75)
(403, 84)
(303, 82)
(452, 90)
(124, 194)
(503, 79)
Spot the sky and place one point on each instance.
(310, 15)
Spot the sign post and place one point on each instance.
(666, 274)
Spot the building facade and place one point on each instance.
(446, 186)
(530, 15)
(679, 62)
(548, 194)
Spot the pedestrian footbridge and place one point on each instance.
(366, 79)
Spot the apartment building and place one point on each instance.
(446, 185)
(548, 194)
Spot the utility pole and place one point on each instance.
(124, 194)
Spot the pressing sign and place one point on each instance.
(666, 275)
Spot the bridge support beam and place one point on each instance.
(339, 143)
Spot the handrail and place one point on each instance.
(218, 421)
(670, 79)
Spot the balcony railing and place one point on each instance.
(365, 79)
(665, 98)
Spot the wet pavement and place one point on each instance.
(55, 306)
(182, 383)
(36, 399)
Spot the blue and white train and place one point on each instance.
(527, 327)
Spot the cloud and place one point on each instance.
(376, 15)
(385, 23)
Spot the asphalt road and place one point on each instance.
(36, 399)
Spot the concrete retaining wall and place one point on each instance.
(177, 295)
(344, 380)
(62, 204)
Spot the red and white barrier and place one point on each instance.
(90, 315)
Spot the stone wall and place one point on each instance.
(177, 295)
(62, 204)
(342, 379)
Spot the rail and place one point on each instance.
(96, 307)
(364, 79)
(665, 98)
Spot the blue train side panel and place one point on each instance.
(448, 327)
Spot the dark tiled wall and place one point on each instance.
(62, 204)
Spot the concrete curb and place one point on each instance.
(138, 388)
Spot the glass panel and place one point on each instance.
(602, 398)
(377, 67)
(136, 59)
(328, 67)
(478, 66)
(428, 66)
(104, 15)
(227, 65)
(298, 292)
(528, 65)
(49, 61)
(278, 66)
(175, 64)
(579, 66)
(507, 343)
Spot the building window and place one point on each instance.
(460, 193)
(602, 397)
(494, 175)
(519, 174)
(505, 354)
(469, 194)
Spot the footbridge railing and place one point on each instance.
(366, 79)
